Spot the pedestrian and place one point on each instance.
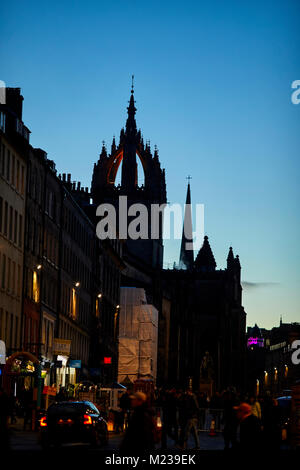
(4, 414)
(230, 420)
(255, 406)
(125, 405)
(27, 406)
(189, 418)
(250, 430)
(271, 424)
(140, 436)
(168, 404)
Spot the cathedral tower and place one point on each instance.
(104, 189)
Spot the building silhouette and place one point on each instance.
(200, 307)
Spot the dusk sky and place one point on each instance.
(213, 92)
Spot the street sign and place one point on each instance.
(76, 363)
(61, 347)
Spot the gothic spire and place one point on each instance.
(186, 259)
(237, 262)
(131, 129)
(230, 259)
(103, 153)
(113, 145)
(205, 260)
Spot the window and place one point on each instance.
(8, 274)
(16, 227)
(22, 179)
(35, 287)
(13, 162)
(33, 240)
(13, 276)
(20, 230)
(19, 281)
(8, 166)
(5, 217)
(11, 222)
(18, 175)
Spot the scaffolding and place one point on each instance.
(138, 334)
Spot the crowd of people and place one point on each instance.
(249, 423)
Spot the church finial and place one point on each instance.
(132, 84)
(230, 259)
(103, 153)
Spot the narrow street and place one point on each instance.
(28, 441)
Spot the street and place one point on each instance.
(28, 441)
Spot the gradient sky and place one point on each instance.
(213, 91)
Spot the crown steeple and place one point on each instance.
(186, 259)
(205, 260)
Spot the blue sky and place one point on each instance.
(213, 91)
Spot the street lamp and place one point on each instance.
(39, 266)
(99, 296)
(77, 284)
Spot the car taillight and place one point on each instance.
(87, 419)
(43, 422)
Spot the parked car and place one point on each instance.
(72, 421)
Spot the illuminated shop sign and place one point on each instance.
(255, 342)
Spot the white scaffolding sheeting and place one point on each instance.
(138, 332)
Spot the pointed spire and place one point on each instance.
(103, 153)
(113, 145)
(230, 259)
(130, 123)
(186, 259)
(155, 157)
(237, 261)
(122, 135)
(205, 260)
(148, 148)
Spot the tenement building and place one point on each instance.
(14, 148)
(60, 285)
